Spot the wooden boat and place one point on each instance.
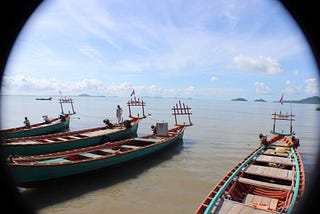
(40, 98)
(50, 126)
(270, 179)
(74, 139)
(29, 170)
(55, 125)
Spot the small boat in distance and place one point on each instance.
(30, 170)
(48, 126)
(74, 139)
(49, 98)
(270, 179)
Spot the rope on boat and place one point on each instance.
(296, 189)
(226, 184)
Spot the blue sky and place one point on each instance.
(200, 49)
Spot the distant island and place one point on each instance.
(239, 99)
(309, 100)
(260, 100)
(87, 95)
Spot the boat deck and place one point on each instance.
(270, 172)
(275, 159)
(233, 207)
(66, 137)
(264, 184)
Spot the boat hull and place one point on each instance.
(45, 148)
(29, 175)
(40, 129)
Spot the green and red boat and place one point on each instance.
(55, 125)
(30, 170)
(58, 142)
(270, 179)
(48, 126)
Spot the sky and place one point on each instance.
(220, 49)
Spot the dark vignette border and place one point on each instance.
(15, 13)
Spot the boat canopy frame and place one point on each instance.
(181, 109)
(136, 103)
(285, 117)
(66, 100)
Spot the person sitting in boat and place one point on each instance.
(46, 119)
(263, 139)
(108, 123)
(154, 129)
(295, 141)
(127, 124)
(62, 117)
(26, 122)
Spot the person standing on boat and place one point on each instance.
(154, 129)
(26, 122)
(119, 113)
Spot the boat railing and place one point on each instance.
(297, 181)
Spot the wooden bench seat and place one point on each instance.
(233, 207)
(256, 200)
(270, 172)
(264, 184)
(274, 159)
(90, 155)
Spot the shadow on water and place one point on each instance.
(63, 189)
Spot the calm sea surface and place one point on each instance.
(175, 180)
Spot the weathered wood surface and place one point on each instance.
(270, 172)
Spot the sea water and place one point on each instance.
(175, 180)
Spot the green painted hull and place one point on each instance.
(31, 174)
(41, 130)
(36, 149)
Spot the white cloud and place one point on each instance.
(26, 85)
(312, 86)
(296, 72)
(213, 78)
(292, 88)
(262, 88)
(265, 65)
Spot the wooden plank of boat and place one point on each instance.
(270, 203)
(74, 137)
(62, 139)
(108, 150)
(50, 141)
(273, 152)
(147, 139)
(233, 207)
(280, 143)
(270, 172)
(274, 159)
(102, 132)
(264, 184)
(90, 155)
